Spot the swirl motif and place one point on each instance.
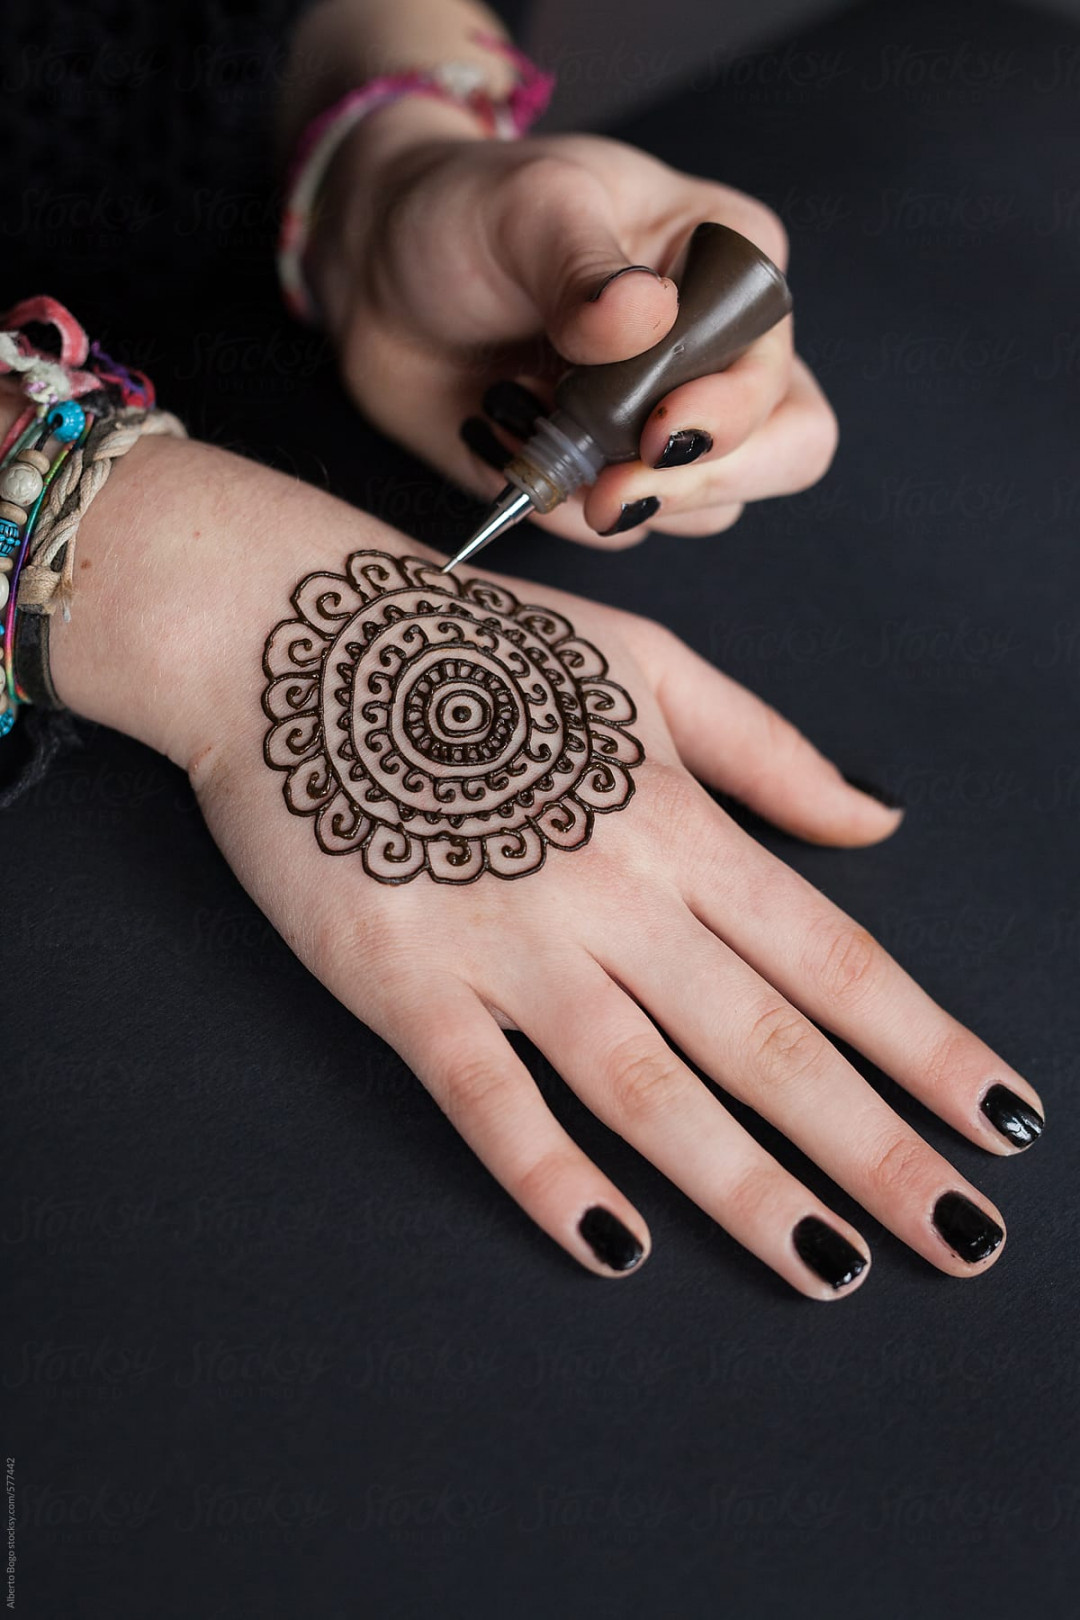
(437, 726)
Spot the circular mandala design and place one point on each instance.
(437, 726)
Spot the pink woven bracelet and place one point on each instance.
(457, 82)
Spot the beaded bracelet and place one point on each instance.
(457, 82)
(47, 580)
(25, 477)
(92, 410)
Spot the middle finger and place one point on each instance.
(743, 1033)
(838, 974)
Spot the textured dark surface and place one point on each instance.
(277, 1345)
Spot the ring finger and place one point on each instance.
(746, 1036)
(611, 1054)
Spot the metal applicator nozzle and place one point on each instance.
(512, 505)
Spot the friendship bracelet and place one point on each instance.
(95, 409)
(47, 578)
(458, 82)
(46, 582)
(26, 476)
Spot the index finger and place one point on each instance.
(831, 968)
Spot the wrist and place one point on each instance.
(340, 44)
(109, 660)
(369, 167)
(185, 560)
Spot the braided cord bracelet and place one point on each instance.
(25, 480)
(47, 579)
(95, 410)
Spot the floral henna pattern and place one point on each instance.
(440, 726)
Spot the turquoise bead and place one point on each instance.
(9, 536)
(67, 420)
(7, 720)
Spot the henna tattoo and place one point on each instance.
(439, 726)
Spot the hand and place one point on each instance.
(671, 915)
(455, 272)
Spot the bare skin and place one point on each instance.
(671, 915)
(446, 262)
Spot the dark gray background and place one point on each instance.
(615, 55)
(277, 1346)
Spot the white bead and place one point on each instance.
(21, 484)
(459, 79)
(4, 589)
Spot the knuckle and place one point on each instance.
(343, 951)
(950, 1058)
(547, 177)
(751, 1198)
(544, 1176)
(554, 184)
(642, 1083)
(673, 799)
(472, 1086)
(847, 962)
(898, 1170)
(783, 1044)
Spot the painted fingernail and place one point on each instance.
(633, 513)
(627, 270)
(685, 446)
(483, 443)
(967, 1229)
(1012, 1116)
(872, 791)
(513, 407)
(827, 1252)
(613, 1244)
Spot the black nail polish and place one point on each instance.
(685, 446)
(613, 1244)
(627, 269)
(827, 1252)
(633, 513)
(513, 407)
(1012, 1116)
(872, 791)
(966, 1228)
(483, 443)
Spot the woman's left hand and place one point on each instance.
(459, 275)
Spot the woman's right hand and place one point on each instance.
(671, 917)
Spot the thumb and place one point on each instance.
(732, 741)
(559, 242)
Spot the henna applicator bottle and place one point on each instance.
(729, 295)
